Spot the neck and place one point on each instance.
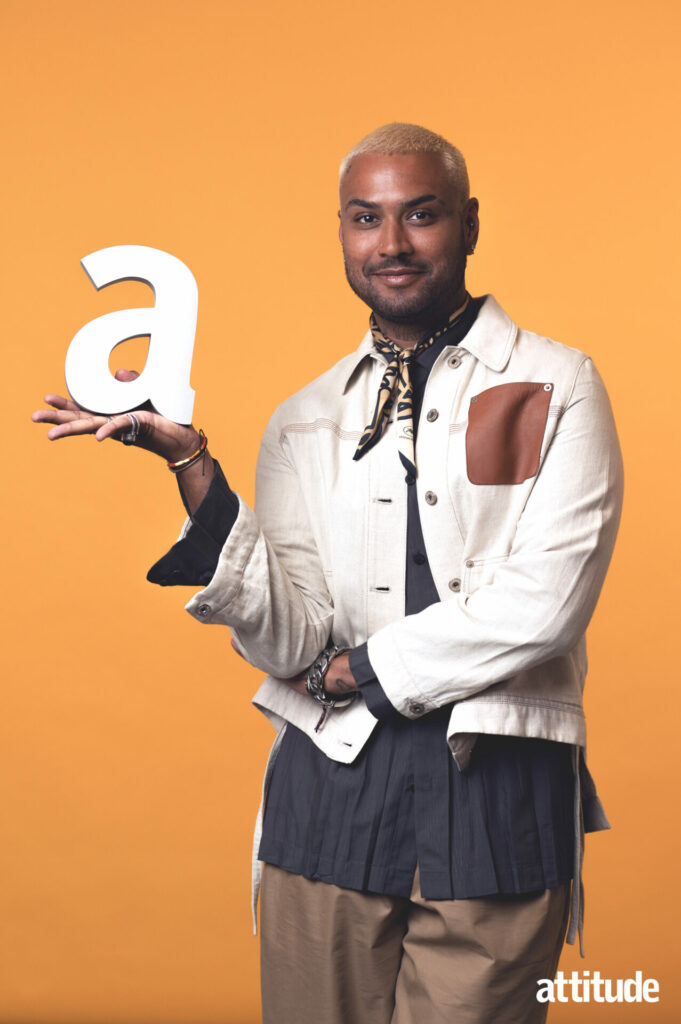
(408, 334)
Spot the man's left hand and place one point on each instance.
(338, 682)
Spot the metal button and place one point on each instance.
(203, 610)
(469, 563)
(548, 387)
(419, 558)
(416, 709)
(455, 585)
(454, 361)
(431, 498)
(432, 415)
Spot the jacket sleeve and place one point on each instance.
(369, 686)
(269, 584)
(541, 598)
(193, 558)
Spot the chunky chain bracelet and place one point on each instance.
(315, 682)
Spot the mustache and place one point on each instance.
(400, 263)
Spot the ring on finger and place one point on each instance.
(131, 436)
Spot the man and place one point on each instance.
(441, 505)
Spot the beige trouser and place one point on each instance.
(336, 956)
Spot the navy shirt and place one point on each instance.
(505, 825)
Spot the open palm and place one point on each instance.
(172, 441)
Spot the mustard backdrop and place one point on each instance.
(131, 757)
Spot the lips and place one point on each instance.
(397, 275)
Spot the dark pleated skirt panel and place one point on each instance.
(503, 826)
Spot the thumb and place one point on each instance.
(126, 375)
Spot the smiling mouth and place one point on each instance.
(398, 275)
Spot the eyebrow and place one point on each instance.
(366, 204)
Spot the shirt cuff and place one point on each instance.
(192, 561)
(369, 686)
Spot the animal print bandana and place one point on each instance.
(396, 384)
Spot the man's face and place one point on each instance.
(405, 235)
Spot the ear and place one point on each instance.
(471, 223)
(340, 228)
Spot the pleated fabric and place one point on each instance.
(503, 826)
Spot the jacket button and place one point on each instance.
(469, 563)
(432, 415)
(454, 361)
(203, 610)
(416, 709)
(455, 585)
(431, 498)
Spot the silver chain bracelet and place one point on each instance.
(315, 682)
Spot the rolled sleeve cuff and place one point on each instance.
(370, 688)
(192, 561)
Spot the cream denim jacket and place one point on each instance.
(519, 489)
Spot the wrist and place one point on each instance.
(339, 680)
(197, 455)
(330, 676)
(186, 449)
(317, 683)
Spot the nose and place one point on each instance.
(394, 240)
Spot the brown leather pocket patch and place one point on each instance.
(505, 431)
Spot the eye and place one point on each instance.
(365, 218)
(420, 215)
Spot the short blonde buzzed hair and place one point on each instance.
(401, 138)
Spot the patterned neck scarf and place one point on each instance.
(396, 384)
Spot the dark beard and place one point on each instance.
(431, 302)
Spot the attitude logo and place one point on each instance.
(588, 988)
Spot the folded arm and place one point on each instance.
(538, 602)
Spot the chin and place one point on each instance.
(401, 309)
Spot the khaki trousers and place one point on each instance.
(336, 956)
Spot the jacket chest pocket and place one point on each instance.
(505, 431)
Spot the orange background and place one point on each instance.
(131, 758)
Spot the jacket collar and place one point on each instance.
(365, 351)
(490, 339)
(492, 336)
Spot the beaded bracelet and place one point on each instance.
(182, 464)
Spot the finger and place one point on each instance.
(52, 416)
(296, 684)
(126, 375)
(59, 402)
(112, 426)
(115, 425)
(74, 427)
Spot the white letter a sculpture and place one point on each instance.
(170, 324)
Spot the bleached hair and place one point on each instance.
(398, 138)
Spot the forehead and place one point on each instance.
(387, 180)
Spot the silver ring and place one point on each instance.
(131, 436)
